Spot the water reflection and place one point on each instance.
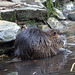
(37, 67)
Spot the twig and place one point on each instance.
(72, 67)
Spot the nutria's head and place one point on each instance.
(56, 37)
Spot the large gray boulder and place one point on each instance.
(8, 31)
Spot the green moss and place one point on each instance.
(9, 16)
(59, 4)
(13, 17)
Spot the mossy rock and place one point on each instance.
(8, 15)
(29, 13)
(8, 31)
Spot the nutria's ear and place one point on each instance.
(54, 33)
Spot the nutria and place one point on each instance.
(34, 43)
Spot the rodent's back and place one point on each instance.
(35, 43)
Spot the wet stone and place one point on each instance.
(8, 31)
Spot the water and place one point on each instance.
(58, 65)
(37, 67)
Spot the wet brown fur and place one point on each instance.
(35, 43)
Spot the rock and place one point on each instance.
(54, 23)
(72, 16)
(27, 13)
(6, 3)
(31, 2)
(8, 14)
(45, 27)
(16, 1)
(6, 11)
(65, 1)
(28, 8)
(22, 11)
(59, 14)
(69, 7)
(70, 29)
(8, 31)
(43, 1)
(28, 1)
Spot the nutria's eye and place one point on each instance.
(54, 34)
